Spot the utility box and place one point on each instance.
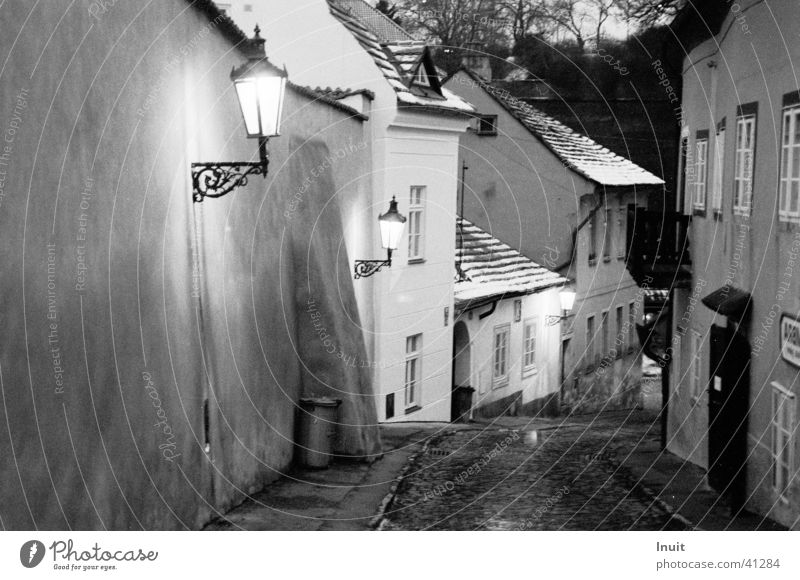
(317, 431)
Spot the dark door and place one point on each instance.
(728, 404)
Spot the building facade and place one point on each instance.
(506, 345)
(733, 393)
(562, 200)
(415, 126)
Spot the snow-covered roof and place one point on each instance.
(383, 27)
(577, 151)
(491, 268)
(396, 60)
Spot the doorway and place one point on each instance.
(728, 405)
(461, 399)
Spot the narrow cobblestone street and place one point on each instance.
(564, 476)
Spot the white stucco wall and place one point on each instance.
(533, 385)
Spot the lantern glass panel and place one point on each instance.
(248, 100)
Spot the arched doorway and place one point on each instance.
(461, 399)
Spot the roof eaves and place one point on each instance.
(319, 96)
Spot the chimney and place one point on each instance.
(475, 59)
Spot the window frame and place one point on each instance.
(501, 380)
(622, 238)
(493, 122)
(605, 344)
(413, 356)
(529, 368)
(620, 319)
(592, 225)
(792, 114)
(416, 209)
(785, 458)
(743, 182)
(608, 237)
(718, 171)
(632, 323)
(590, 350)
(700, 185)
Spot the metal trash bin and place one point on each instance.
(317, 431)
(461, 404)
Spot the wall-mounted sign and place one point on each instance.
(790, 339)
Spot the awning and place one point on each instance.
(729, 301)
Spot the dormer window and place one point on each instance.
(421, 77)
(487, 125)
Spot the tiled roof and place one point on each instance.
(384, 59)
(578, 152)
(340, 93)
(492, 268)
(383, 27)
(323, 97)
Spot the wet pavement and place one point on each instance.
(562, 476)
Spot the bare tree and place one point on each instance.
(524, 17)
(570, 16)
(454, 23)
(601, 11)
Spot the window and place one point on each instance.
(590, 341)
(529, 346)
(632, 325)
(500, 357)
(782, 428)
(608, 236)
(592, 225)
(415, 223)
(743, 173)
(790, 166)
(695, 372)
(620, 340)
(719, 169)
(413, 370)
(700, 173)
(487, 125)
(604, 334)
(622, 239)
(421, 76)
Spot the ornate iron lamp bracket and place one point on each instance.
(552, 319)
(219, 179)
(366, 268)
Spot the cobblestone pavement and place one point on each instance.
(561, 477)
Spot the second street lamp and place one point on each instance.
(260, 88)
(392, 224)
(567, 299)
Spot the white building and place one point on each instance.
(506, 334)
(367, 61)
(563, 200)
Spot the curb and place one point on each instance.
(379, 519)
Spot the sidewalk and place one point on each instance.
(346, 497)
(681, 488)
(677, 486)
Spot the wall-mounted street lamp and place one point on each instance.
(567, 298)
(392, 224)
(260, 88)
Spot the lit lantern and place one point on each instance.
(567, 298)
(260, 87)
(392, 224)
